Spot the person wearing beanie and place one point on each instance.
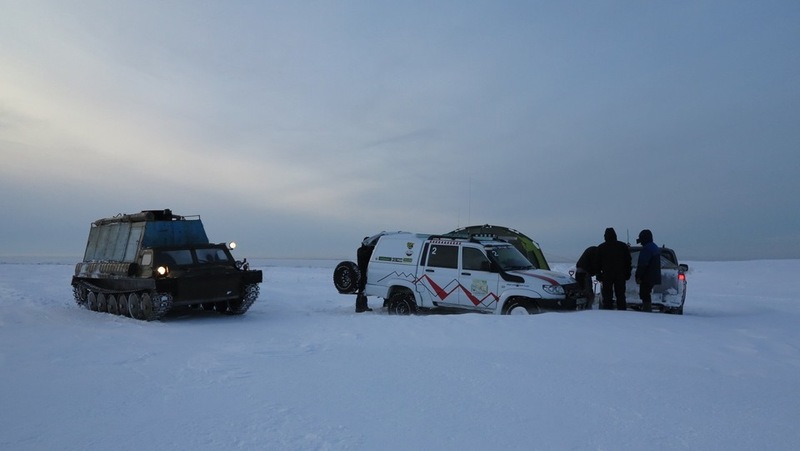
(614, 269)
(648, 269)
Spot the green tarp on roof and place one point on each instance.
(529, 248)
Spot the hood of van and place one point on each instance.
(548, 277)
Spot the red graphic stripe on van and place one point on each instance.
(546, 279)
(440, 293)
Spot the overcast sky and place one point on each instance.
(299, 127)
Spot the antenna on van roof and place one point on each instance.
(628, 236)
(469, 200)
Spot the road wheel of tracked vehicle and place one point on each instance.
(102, 302)
(208, 306)
(147, 307)
(221, 307)
(91, 301)
(346, 277)
(134, 306)
(122, 305)
(401, 303)
(112, 306)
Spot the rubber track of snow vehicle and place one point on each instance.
(161, 302)
(80, 293)
(251, 292)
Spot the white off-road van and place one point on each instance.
(412, 271)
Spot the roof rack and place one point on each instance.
(472, 237)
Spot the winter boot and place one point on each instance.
(361, 304)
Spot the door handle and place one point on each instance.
(429, 270)
(466, 273)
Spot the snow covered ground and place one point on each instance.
(302, 371)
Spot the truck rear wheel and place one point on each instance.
(346, 277)
(401, 303)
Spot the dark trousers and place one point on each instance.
(616, 287)
(645, 294)
(584, 280)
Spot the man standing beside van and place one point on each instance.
(648, 271)
(585, 269)
(614, 265)
(363, 255)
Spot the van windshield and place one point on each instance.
(508, 258)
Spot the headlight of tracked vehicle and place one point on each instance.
(557, 290)
(232, 245)
(162, 270)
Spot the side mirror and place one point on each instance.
(683, 267)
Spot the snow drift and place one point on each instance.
(301, 370)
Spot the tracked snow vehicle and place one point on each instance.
(143, 264)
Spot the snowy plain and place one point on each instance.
(302, 371)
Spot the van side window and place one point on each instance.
(443, 256)
(473, 259)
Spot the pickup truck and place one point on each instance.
(670, 295)
(453, 272)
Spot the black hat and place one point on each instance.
(645, 237)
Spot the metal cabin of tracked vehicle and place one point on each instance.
(143, 264)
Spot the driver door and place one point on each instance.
(478, 283)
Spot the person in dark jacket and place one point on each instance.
(648, 269)
(585, 268)
(363, 255)
(614, 269)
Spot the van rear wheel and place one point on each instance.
(402, 303)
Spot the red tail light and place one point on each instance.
(681, 276)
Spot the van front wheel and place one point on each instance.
(521, 306)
